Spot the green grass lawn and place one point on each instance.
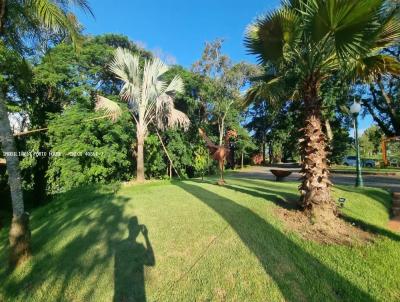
(338, 168)
(209, 243)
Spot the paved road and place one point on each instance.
(387, 182)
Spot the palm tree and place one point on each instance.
(21, 20)
(305, 42)
(149, 98)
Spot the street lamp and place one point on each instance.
(355, 110)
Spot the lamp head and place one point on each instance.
(355, 108)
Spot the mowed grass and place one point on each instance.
(389, 170)
(209, 243)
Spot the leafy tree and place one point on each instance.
(370, 141)
(223, 84)
(85, 149)
(180, 151)
(20, 20)
(201, 161)
(155, 162)
(244, 146)
(304, 43)
(380, 97)
(148, 96)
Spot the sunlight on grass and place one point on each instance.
(239, 250)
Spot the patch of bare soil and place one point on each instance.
(337, 231)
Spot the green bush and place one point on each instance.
(86, 150)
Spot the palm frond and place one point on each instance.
(149, 98)
(388, 34)
(271, 89)
(175, 86)
(52, 16)
(178, 119)
(84, 5)
(368, 68)
(267, 37)
(111, 108)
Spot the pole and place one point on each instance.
(169, 158)
(359, 179)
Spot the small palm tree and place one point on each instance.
(22, 20)
(306, 42)
(149, 98)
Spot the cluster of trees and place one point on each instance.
(75, 145)
(86, 121)
(309, 49)
(99, 108)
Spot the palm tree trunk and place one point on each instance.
(241, 161)
(316, 197)
(20, 234)
(140, 159)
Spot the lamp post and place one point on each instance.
(355, 110)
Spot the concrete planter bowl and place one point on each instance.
(280, 174)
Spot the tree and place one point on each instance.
(370, 141)
(301, 45)
(201, 161)
(149, 98)
(223, 84)
(380, 97)
(86, 148)
(19, 20)
(244, 145)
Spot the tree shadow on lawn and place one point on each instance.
(91, 240)
(290, 201)
(284, 200)
(371, 227)
(299, 275)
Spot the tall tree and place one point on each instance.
(224, 81)
(149, 98)
(22, 21)
(380, 97)
(306, 42)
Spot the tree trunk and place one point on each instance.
(140, 159)
(221, 131)
(20, 235)
(263, 151)
(316, 197)
(241, 161)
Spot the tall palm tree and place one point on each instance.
(22, 20)
(305, 42)
(149, 98)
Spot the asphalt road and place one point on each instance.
(387, 182)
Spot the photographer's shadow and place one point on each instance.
(129, 262)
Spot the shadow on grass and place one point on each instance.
(299, 276)
(87, 223)
(130, 259)
(284, 200)
(371, 228)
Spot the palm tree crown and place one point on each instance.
(149, 98)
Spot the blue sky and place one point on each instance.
(177, 29)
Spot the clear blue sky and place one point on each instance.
(177, 29)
